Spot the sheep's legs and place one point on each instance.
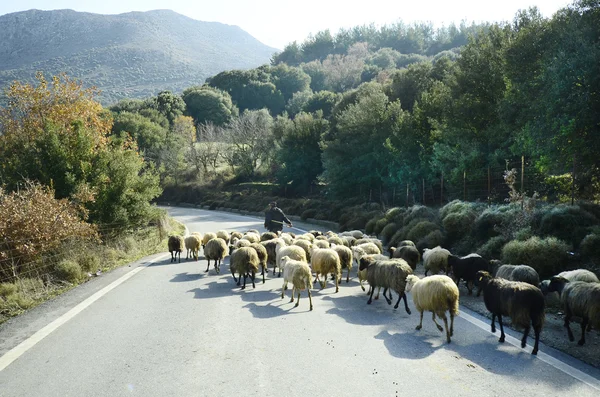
(388, 300)
(405, 302)
(348, 275)
(337, 284)
(233, 274)
(207, 267)
(584, 324)
(493, 323)
(293, 290)
(324, 282)
(245, 275)
(252, 277)
(283, 288)
(298, 300)
(537, 329)
(361, 285)
(263, 273)
(446, 326)
(567, 319)
(502, 336)
(451, 324)
(309, 297)
(418, 328)
(470, 287)
(439, 327)
(371, 296)
(525, 335)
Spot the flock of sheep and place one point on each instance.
(515, 290)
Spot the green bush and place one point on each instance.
(492, 249)
(419, 212)
(454, 207)
(395, 214)
(309, 213)
(548, 255)
(18, 302)
(379, 225)
(358, 222)
(7, 289)
(566, 222)
(524, 234)
(388, 231)
(370, 226)
(458, 224)
(489, 222)
(421, 230)
(432, 240)
(397, 237)
(590, 248)
(89, 262)
(68, 270)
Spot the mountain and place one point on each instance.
(133, 55)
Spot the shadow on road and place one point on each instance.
(354, 310)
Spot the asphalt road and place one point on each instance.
(173, 330)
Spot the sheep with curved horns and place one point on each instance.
(435, 259)
(437, 294)
(192, 245)
(522, 302)
(298, 273)
(389, 274)
(325, 261)
(244, 261)
(176, 245)
(216, 249)
(580, 299)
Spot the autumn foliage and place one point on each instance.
(32, 223)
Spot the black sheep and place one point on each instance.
(522, 302)
(466, 268)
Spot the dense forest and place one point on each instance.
(382, 116)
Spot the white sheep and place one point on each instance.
(192, 245)
(389, 274)
(293, 251)
(298, 273)
(346, 260)
(325, 261)
(216, 249)
(435, 259)
(224, 234)
(207, 237)
(436, 294)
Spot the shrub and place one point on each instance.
(379, 225)
(68, 270)
(458, 224)
(395, 214)
(490, 221)
(358, 222)
(568, 223)
(492, 249)
(590, 248)
(397, 237)
(454, 207)
(548, 255)
(432, 240)
(309, 213)
(89, 262)
(18, 302)
(388, 231)
(419, 212)
(524, 234)
(7, 289)
(421, 230)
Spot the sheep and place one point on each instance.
(435, 259)
(466, 268)
(389, 274)
(324, 261)
(238, 235)
(365, 249)
(271, 247)
(436, 294)
(315, 233)
(206, 238)
(348, 241)
(321, 244)
(406, 243)
(287, 237)
(176, 245)
(293, 251)
(580, 299)
(252, 237)
(261, 251)
(409, 253)
(216, 249)
(192, 245)
(522, 302)
(353, 233)
(572, 275)
(345, 255)
(369, 240)
(306, 245)
(224, 234)
(245, 261)
(362, 274)
(298, 273)
(305, 238)
(266, 236)
(242, 243)
(253, 231)
(524, 273)
(335, 240)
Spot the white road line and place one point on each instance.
(27, 344)
(564, 367)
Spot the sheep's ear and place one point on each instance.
(480, 278)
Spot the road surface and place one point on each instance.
(170, 329)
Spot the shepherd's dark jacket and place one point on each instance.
(275, 214)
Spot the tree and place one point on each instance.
(297, 103)
(291, 55)
(207, 150)
(316, 71)
(149, 136)
(299, 156)
(209, 105)
(323, 101)
(289, 80)
(169, 105)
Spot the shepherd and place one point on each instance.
(275, 218)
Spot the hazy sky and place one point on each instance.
(278, 22)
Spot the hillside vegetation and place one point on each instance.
(132, 55)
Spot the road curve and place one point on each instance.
(173, 330)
